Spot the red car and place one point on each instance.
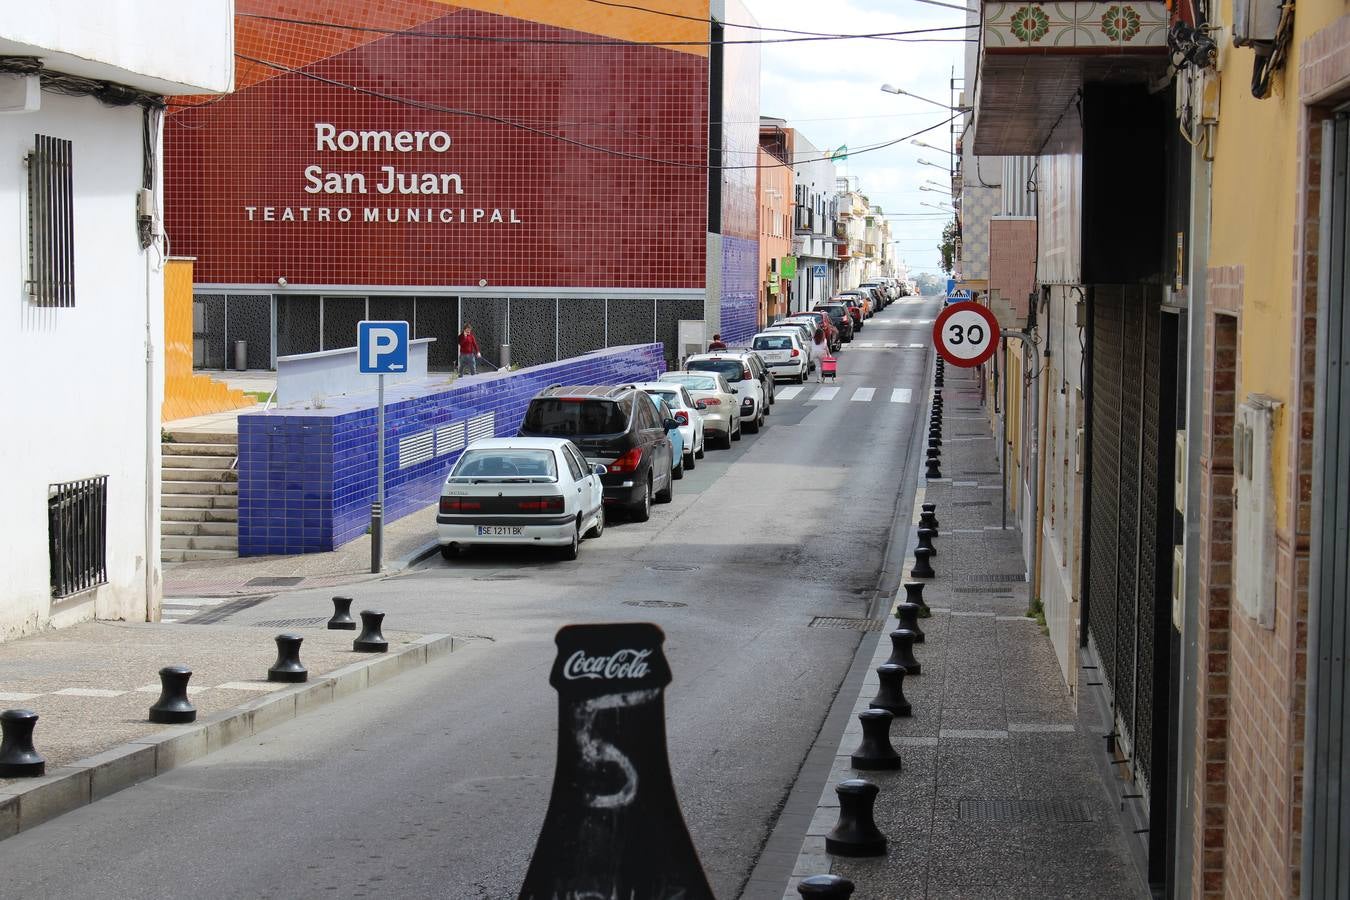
(832, 339)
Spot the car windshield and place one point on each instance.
(730, 369)
(505, 464)
(568, 416)
(691, 381)
(773, 342)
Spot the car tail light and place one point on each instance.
(745, 373)
(541, 504)
(796, 353)
(711, 401)
(682, 417)
(627, 463)
(459, 504)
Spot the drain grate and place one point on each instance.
(502, 577)
(672, 567)
(290, 623)
(1026, 811)
(275, 581)
(979, 591)
(972, 502)
(844, 622)
(981, 473)
(994, 579)
(655, 604)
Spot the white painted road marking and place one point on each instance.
(866, 344)
(789, 393)
(863, 394)
(900, 395)
(88, 692)
(890, 345)
(916, 346)
(825, 393)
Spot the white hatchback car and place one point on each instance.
(523, 491)
(783, 352)
(686, 413)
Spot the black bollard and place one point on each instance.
(934, 440)
(370, 640)
(922, 567)
(173, 706)
(926, 536)
(826, 887)
(902, 652)
(928, 520)
(875, 752)
(907, 616)
(914, 594)
(342, 615)
(932, 468)
(931, 509)
(18, 759)
(891, 695)
(856, 834)
(288, 667)
(934, 453)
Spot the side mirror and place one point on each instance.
(671, 424)
(700, 404)
(598, 469)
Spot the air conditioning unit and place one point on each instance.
(1179, 473)
(1255, 22)
(1178, 584)
(1254, 508)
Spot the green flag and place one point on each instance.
(841, 153)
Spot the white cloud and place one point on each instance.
(830, 91)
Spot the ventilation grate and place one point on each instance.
(290, 623)
(1026, 811)
(281, 581)
(972, 502)
(655, 604)
(994, 579)
(986, 591)
(980, 473)
(843, 622)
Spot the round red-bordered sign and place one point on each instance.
(966, 334)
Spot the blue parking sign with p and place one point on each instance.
(382, 347)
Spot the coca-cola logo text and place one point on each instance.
(630, 664)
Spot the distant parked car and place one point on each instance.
(520, 491)
(840, 317)
(616, 427)
(715, 400)
(783, 353)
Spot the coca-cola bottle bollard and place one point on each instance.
(613, 826)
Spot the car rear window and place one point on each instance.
(568, 416)
(672, 396)
(764, 342)
(730, 369)
(506, 464)
(834, 309)
(693, 382)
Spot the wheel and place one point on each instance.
(678, 472)
(643, 510)
(668, 493)
(753, 425)
(689, 460)
(599, 527)
(736, 435)
(573, 549)
(702, 446)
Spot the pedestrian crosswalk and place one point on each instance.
(176, 609)
(825, 393)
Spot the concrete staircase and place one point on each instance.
(199, 503)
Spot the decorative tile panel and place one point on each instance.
(1068, 27)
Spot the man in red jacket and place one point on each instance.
(468, 351)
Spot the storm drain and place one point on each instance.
(995, 594)
(972, 502)
(994, 579)
(275, 581)
(672, 567)
(980, 473)
(1025, 811)
(224, 611)
(655, 604)
(498, 577)
(843, 622)
(290, 623)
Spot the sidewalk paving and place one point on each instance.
(998, 795)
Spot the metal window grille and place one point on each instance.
(51, 244)
(77, 534)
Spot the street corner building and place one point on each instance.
(84, 257)
(562, 175)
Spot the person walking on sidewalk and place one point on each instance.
(468, 351)
(820, 349)
(716, 343)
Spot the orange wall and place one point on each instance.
(186, 394)
(775, 229)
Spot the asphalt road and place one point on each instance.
(435, 783)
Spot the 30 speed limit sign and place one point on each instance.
(966, 334)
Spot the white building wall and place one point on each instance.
(76, 378)
(817, 175)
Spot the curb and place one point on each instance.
(424, 552)
(27, 804)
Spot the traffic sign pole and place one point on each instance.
(377, 510)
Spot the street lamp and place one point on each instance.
(931, 147)
(939, 185)
(924, 162)
(892, 89)
(925, 187)
(946, 209)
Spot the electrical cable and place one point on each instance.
(436, 107)
(595, 42)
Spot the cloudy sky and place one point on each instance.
(831, 92)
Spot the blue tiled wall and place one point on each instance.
(307, 477)
(740, 288)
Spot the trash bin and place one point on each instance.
(505, 356)
(240, 355)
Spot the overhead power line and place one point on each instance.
(673, 15)
(502, 120)
(593, 42)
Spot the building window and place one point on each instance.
(51, 244)
(77, 534)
